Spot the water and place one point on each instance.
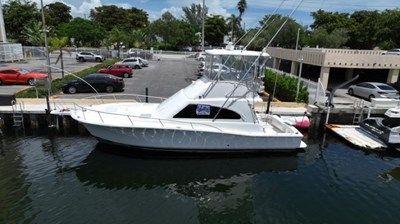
(76, 180)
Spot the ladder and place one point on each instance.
(18, 115)
(358, 111)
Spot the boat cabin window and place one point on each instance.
(206, 112)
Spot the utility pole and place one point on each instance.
(297, 40)
(46, 45)
(202, 26)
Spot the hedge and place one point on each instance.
(56, 84)
(286, 87)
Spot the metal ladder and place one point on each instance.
(18, 115)
(358, 111)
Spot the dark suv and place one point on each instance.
(101, 82)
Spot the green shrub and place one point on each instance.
(286, 87)
(57, 84)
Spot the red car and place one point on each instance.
(119, 70)
(20, 76)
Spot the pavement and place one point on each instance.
(162, 78)
(70, 65)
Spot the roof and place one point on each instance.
(236, 53)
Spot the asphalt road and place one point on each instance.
(70, 65)
(162, 78)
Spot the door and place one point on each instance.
(84, 87)
(10, 76)
(360, 89)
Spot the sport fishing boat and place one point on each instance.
(213, 114)
(386, 128)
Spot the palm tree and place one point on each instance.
(33, 33)
(233, 24)
(241, 6)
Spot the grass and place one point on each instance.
(57, 84)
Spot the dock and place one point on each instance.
(356, 136)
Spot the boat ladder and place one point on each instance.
(359, 110)
(18, 115)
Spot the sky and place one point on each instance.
(256, 8)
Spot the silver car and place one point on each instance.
(371, 90)
(88, 56)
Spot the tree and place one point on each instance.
(286, 37)
(321, 38)
(85, 32)
(331, 20)
(388, 35)
(137, 38)
(110, 16)
(215, 29)
(57, 13)
(233, 24)
(33, 33)
(17, 14)
(58, 44)
(118, 38)
(194, 15)
(173, 32)
(241, 6)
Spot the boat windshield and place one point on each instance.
(233, 67)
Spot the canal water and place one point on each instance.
(74, 179)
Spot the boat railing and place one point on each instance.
(116, 97)
(162, 121)
(65, 104)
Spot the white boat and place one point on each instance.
(213, 114)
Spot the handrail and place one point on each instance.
(83, 109)
(116, 95)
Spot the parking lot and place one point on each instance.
(70, 65)
(162, 78)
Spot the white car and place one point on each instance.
(393, 52)
(371, 90)
(143, 62)
(132, 63)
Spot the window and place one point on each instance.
(385, 87)
(206, 112)
(11, 72)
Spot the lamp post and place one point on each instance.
(46, 45)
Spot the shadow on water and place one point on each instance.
(113, 171)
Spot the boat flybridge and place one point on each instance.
(213, 114)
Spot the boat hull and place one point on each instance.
(377, 128)
(193, 141)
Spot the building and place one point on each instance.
(334, 66)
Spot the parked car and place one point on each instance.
(101, 82)
(132, 62)
(143, 62)
(13, 76)
(119, 70)
(393, 52)
(88, 56)
(371, 90)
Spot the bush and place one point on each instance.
(57, 84)
(286, 87)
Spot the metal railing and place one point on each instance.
(161, 121)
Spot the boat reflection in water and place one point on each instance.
(215, 184)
